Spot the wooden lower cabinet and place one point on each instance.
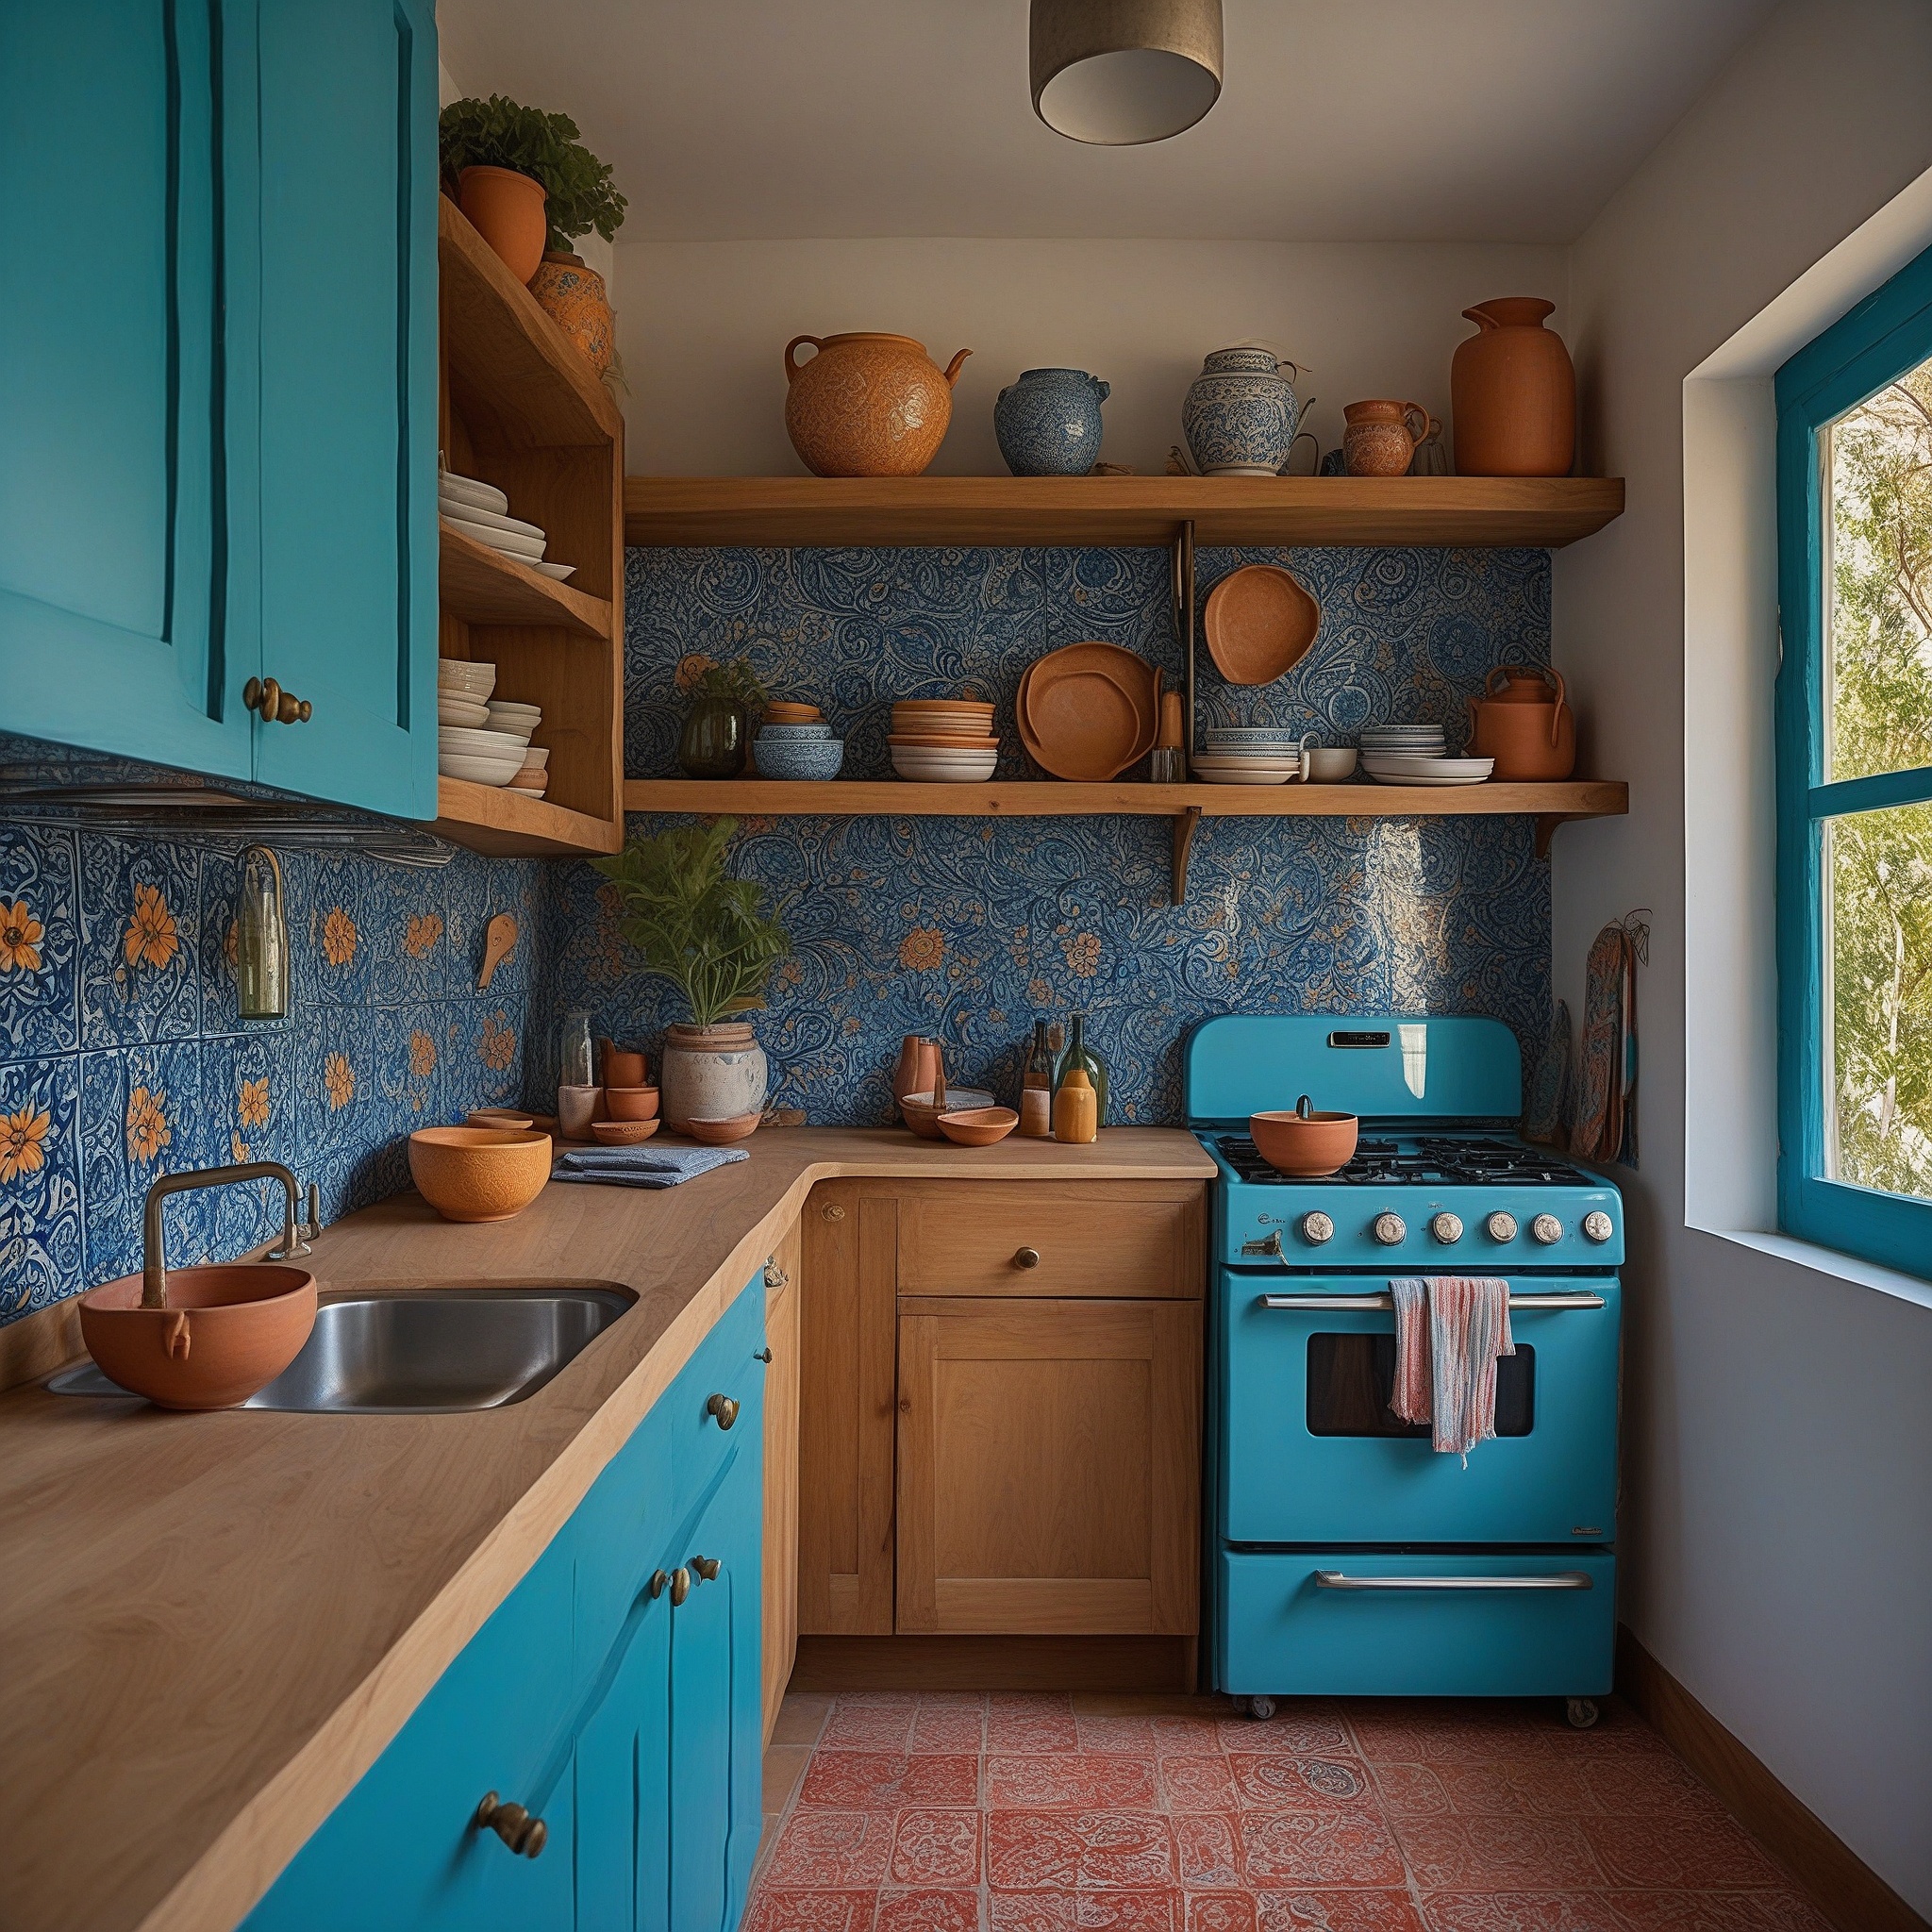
(783, 1297)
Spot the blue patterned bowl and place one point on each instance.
(794, 734)
(798, 757)
(1048, 423)
(1253, 737)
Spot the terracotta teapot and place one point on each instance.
(867, 404)
(1526, 728)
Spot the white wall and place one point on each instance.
(1779, 1481)
(702, 325)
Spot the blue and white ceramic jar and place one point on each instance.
(1241, 414)
(1048, 423)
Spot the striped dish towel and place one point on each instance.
(1449, 1331)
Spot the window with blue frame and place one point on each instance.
(1854, 780)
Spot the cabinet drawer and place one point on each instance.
(1283, 1633)
(726, 1365)
(1044, 1237)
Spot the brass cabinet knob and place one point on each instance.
(680, 1586)
(725, 1409)
(707, 1567)
(1026, 1257)
(763, 1355)
(526, 1836)
(774, 1275)
(277, 705)
(658, 1579)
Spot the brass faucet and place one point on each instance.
(153, 1261)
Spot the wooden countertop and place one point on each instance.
(210, 1625)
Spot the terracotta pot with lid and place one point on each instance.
(1306, 1143)
(1527, 727)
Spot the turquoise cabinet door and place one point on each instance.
(117, 629)
(347, 607)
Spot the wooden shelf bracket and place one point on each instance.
(1185, 826)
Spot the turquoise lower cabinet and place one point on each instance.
(614, 1694)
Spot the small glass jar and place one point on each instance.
(262, 938)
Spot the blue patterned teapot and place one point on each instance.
(1048, 423)
(1240, 413)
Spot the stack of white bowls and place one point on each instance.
(1415, 755)
(469, 742)
(1250, 755)
(481, 511)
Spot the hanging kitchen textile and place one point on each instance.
(1549, 1083)
(1597, 1129)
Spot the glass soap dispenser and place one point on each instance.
(262, 938)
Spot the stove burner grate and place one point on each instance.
(1428, 1161)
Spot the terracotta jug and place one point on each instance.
(919, 1067)
(867, 404)
(1381, 437)
(1527, 727)
(1513, 391)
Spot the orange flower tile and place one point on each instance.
(151, 938)
(338, 1081)
(338, 937)
(147, 1123)
(20, 938)
(22, 1136)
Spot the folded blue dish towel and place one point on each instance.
(643, 1166)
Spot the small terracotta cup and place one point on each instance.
(1304, 1143)
(227, 1332)
(632, 1103)
(623, 1067)
(979, 1126)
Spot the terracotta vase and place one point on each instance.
(573, 297)
(1527, 727)
(711, 1073)
(917, 1071)
(867, 404)
(1381, 437)
(507, 209)
(1513, 391)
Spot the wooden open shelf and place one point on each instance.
(783, 512)
(521, 408)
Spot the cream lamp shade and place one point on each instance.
(1118, 73)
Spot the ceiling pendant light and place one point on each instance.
(1118, 73)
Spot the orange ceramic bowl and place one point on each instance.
(227, 1331)
(500, 1117)
(722, 1133)
(478, 1173)
(632, 1103)
(1306, 1146)
(979, 1126)
(624, 1132)
(922, 1111)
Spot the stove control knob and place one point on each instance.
(1446, 1227)
(1502, 1226)
(1547, 1228)
(1389, 1231)
(1317, 1227)
(1596, 1225)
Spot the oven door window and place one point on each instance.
(1352, 1376)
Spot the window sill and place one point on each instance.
(1843, 1267)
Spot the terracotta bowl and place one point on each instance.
(722, 1133)
(624, 1132)
(1306, 1146)
(478, 1173)
(227, 1331)
(921, 1113)
(979, 1126)
(630, 1104)
(500, 1117)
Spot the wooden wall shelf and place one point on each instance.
(483, 586)
(512, 825)
(1113, 511)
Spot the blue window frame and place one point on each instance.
(1853, 723)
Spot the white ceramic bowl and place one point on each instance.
(559, 571)
(538, 755)
(944, 767)
(463, 679)
(451, 710)
(1399, 770)
(513, 707)
(506, 540)
(478, 771)
(489, 519)
(472, 490)
(1330, 764)
(481, 744)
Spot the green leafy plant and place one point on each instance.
(695, 925)
(737, 683)
(500, 133)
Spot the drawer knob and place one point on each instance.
(833, 1212)
(680, 1586)
(277, 705)
(763, 1355)
(660, 1579)
(1026, 1257)
(707, 1567)
(526, 1836)
(725, 1409)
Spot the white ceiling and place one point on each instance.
(1338, 119)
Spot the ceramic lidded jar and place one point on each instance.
(1048, 423)
(1527, 727)
(867, 404)
(1241, 414)
(711, 1073)
(1513, 389)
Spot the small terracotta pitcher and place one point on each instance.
(1527, 727)
(1379, 440)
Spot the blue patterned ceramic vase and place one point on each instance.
(1241, 414)
(1048, 423)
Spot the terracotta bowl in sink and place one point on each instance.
(979, 1126)
(478, 1173)
(1306, 1145)
(227, 1331)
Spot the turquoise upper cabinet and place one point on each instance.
(217, 455)
(117, 398)
(347, 331)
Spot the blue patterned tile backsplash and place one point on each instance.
(968, 928)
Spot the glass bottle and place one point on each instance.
(262, 938)
(574, 1051)
(1079, 1054)
(1036, 1088)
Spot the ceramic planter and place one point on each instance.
(507, 209)
(711, 1073)
(573, 297)
(1241, 414)
(1048, 423)
(1513, 391)
(867, 404)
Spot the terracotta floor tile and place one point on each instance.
(775, 1909)
(1499, 1854)
(1408, 1734)
(1716, 1911)
(1527, 1788)
(1099, 1732)
(936, 1848)
(886, 1780)
(1337, 1845)
(1337, 1911)
(1015, 1723)
(1207, 1849)
(1687, 1852)
(1086, 1911)
(1287, 1737)
(1410, 1789)
(942, 1727)
(1208, 1704)
(1521, 1911)
(1639, 1785)
(928, 1911)
(1222, 1912)
(831, 1851)
(1287, 1784)
(867, 1728)
(1193, 1736)
(1197, 1784)
(1078, 1851)
(1081, 1781)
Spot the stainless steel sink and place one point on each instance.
(422, 1353)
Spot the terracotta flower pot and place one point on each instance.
(507, 209)
(1513, 391)
(867, 404)
(573, 297)
(1527, 727)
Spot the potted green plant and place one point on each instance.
(709, 934)
(717, 732)
(526, 182)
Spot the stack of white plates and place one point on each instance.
(1403, 740)
(483, 741)
(480, 510)
(1249, 754)
(945, 765)
(1398, 767)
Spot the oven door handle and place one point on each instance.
(1564, 1579)
(1369, 1303)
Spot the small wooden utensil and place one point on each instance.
(499, 942)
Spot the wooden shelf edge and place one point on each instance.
(508, 824)
(484, 586)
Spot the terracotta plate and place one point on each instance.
(1261, 622)
(944, 741)
(1089, 711)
